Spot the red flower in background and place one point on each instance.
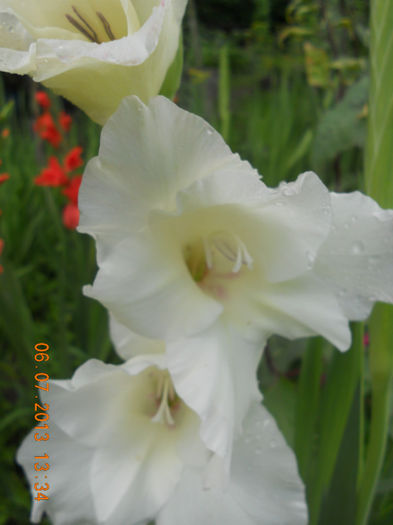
(52, 175)
(73, 159)
(65, 121)
(4, 177)
(47, 129)
(71, 216)
(55, 173)
(42, 99)
(72, 189)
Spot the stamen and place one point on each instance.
(94, 34)
(233, 249)
(89, 33)
(106, 25)
(81, 29)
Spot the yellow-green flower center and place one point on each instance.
(220, 254)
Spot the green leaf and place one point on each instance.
(342, 382)
(280, 401)
(341, 127)
(307, 404)
(317, 66)
(173, 77)
(6, 110)
(379, 184)
(224, 92)
(294, 31)
(339, 503)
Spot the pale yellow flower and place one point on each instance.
(92, 52)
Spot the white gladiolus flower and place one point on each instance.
(190, 242)
(124, 448)
(92, 52)
(226, 370)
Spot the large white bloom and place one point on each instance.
(191, 243)
(124, 448)
(212, 374)
(93, 52)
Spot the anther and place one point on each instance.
(106, 25)
(89, 32)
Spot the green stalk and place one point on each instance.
(224, 92)
(379, 184)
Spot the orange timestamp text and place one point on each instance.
(41, 416)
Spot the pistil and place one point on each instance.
(166, 399)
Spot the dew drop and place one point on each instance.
(273, 443)
(310, 258)
(358, 248)
(209, 132)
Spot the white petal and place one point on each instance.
(97, 394)
(128, 344)
(265, 487)
(357, 258)
(70, 499)
(215, 374)
(17, 51)
(264, 472)
(291, 227)
(300, 307)
(148, 289)
(192, 505)
(143, 470)
(148, 153)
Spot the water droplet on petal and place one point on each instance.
(209, 131)
(358, 248)
(273, 443)
(310, 258)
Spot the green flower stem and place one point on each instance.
(379, 184)
(381, 365)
